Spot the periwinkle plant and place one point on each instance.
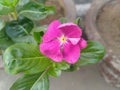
(26, 50)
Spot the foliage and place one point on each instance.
(20, 39)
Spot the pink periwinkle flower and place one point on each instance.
(63, 42)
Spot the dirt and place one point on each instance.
(108, 23)
(59, 12)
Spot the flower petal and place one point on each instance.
(83, 43)
(70, 30)
(52, 50)
(52, 31)
(71, 53)
(74, 41)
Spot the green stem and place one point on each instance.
(15, 14)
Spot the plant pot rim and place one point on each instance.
(91, 27)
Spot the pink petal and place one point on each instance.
(71, 53)
(52, 50)
(70, 30)
(52, 31)
(83, 43)
(74, 41)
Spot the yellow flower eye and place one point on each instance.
(63, 39)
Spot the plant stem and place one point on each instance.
(15, 14)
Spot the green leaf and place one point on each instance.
(26, 23)
(7, 6)
(77, 21)
(38, 36)
(55, 72)
(38, 33)
(4, 10)
(2, 24)
(25, 58)
(36, 11)
(25, 39)
(5, 41)
(11, 3)
(92, 54)
(57, 68)
(32, 82)
(19, 28)
(62, 65)
(21, 3)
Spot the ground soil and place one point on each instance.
(108, 23)
(59, 12)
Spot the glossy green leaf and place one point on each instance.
(25, 39)
(92, 54)
(25, 58)
(36, 11)
(38, 33)
(38, 36)
(32, 82)
(26, 23)
(5, 41)
(19, 28)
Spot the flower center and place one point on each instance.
(63, 39)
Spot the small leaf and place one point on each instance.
(77, 21)
(38, 36)
(38, 33)
(92, 54)
(55, 72)
(36, 11)
(23, 57)
(62, 65)
(57, 68)
(32, 82)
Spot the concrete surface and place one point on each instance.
(87, 78)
